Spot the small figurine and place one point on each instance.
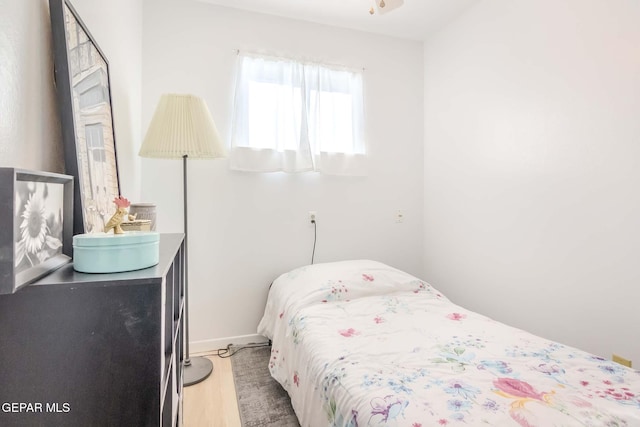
(117, 218)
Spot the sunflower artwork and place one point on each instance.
(36, 213)
(38, 223)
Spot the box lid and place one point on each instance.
(104, 239)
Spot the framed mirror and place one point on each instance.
(84, 101)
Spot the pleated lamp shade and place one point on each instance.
(182, 125)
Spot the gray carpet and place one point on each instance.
(261, 400)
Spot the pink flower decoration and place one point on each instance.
(348, 332)
(580, 403)
(443, 422)
(122, 202)
(622, 394)
(456, 316)
(517, 388)
(296, 379)
(378, 319)
(367, 277)
(417, 425)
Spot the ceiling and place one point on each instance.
(416, 19)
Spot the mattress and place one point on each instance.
(359, 343)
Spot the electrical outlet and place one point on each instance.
(399, 216)
(312, 216)
(621, 360)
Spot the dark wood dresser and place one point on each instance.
(96, 349)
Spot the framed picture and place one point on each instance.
(36, 237)
(84, 100)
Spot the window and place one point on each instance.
(293, 117)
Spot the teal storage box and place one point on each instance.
(113, 253)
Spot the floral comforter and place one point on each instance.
(358, 343)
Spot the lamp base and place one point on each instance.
(197, 371)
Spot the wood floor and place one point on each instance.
(212, 403)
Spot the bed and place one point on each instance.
(359, 343)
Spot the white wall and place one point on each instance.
(246, 229)
(532, 165)
(29, 126)
(30, 134)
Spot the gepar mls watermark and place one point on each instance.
(36, 407)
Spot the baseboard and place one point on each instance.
(207, 346)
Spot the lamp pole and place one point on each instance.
(200, 368)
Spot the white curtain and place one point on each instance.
(294, 117)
